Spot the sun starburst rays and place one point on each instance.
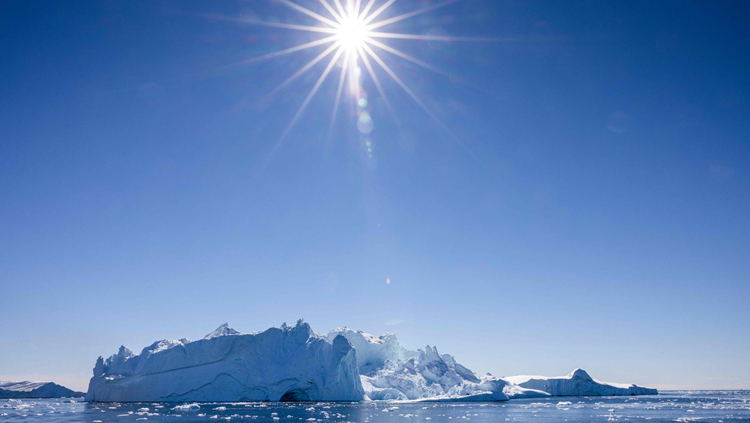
(351, 32)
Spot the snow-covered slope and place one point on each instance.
(287, 363)
(578, 383)
(10, 389)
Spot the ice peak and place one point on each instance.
(580, 373)
(122, 354)
(300, 324)
(429, 354)
(300, 330)
(372, 339)
(222, 330)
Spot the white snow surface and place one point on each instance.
(293, 363)
(26, 389)
(289, 363)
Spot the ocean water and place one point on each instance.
(669, 406)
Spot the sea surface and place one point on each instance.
(669, 406)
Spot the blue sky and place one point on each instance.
(591, 210)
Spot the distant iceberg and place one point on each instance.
(292, 363)
(17, 390)
(578, 383)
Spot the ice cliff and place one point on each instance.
(288, 363)
(10, 389)
(295, 364)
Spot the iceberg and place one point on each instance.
(290, 363)
(391, 372)
(10, 389)
(578, 383)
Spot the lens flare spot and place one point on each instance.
(365, 124)
(388, 281)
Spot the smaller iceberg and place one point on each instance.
(578, 383)
(9, 389)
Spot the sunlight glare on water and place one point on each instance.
(704, 406)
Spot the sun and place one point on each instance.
(354, 36)
(352, 33)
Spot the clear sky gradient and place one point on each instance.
(592, 209)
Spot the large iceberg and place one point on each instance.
(9, 389)
(290, 363)
(295, 364)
